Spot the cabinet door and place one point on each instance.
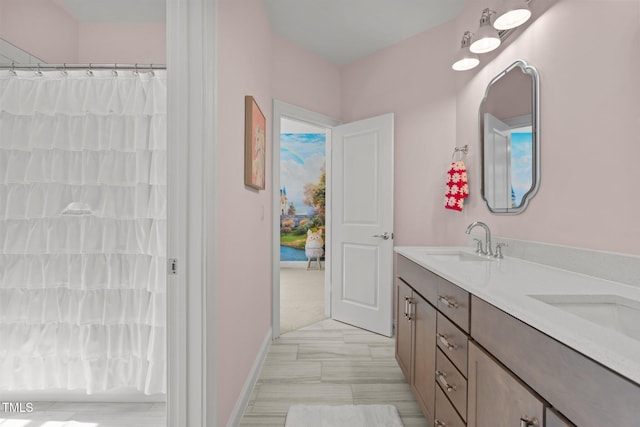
(424, 365)
(403, 329)
(496, 398)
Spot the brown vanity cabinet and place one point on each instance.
(472, 364)
(584, 391)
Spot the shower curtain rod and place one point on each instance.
(89, 66)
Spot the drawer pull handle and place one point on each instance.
(408, 302)
(442, 378)
(447, 344)
(439, 423)
(446, 301)
(525, 422)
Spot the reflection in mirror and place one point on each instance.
(510, 139)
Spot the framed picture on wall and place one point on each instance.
(255, 141)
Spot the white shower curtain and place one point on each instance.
(83, 230)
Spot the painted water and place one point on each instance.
(292, 254)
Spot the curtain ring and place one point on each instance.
(64, 70)
(38, 72)
(136, 72)
(90, 71)
(13, 69)
(115, 70)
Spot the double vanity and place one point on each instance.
(504, 342)
(546, 337)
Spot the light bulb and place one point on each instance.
(465, 59)
(486, 38)
(516, 13)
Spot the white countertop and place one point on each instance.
(507, 284)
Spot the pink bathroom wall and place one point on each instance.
(244, 214)
(303, 79)
(253, 61)
(48, 31)
(590, 116)
(124, 43)
(41, 28)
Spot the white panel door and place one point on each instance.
(497, 152)
(362, 224)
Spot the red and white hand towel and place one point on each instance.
(457, 186)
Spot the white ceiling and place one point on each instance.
(116, 10)
(339, 31)
(342, 31)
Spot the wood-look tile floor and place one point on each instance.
(88, 414)
(329, 363)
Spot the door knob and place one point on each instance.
(385, 235)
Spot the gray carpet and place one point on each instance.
(301, 298)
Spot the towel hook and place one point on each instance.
(464, 149)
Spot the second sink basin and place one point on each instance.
(611, 311)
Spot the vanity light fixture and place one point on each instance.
(465, 60)
(513, 14)
(486, 38)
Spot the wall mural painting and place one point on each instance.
(302, 192)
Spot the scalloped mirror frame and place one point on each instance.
(535, 125)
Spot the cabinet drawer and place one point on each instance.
(417, 277)
(446, 416)
(452, 383)
(453, 343)
(453, 301)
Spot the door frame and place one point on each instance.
(282, 109)
(192, 395)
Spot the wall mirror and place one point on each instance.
(509, 122)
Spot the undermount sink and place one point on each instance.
(456, 255)
(611, 311)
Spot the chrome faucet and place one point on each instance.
(488, 251)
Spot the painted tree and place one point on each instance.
(314, 195)
(292, 209)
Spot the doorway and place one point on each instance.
(359, 224)
(302, 223)
(301, 152)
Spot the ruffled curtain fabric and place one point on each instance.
(83, 230)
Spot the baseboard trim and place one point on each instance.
(252, 379)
